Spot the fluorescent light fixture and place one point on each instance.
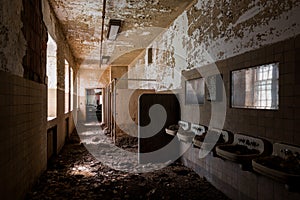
(114, 28)
(105, 59)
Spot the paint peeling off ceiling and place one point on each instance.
(143, 20)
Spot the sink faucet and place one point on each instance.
(286, 152)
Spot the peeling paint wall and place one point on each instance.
(232, 27)
(11, 36)
(216, 30)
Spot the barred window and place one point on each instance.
(266, 86)
(256, 87)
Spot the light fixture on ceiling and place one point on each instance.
(105, 59)
(113, 29)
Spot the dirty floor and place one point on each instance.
(76, 174)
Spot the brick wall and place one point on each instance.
(23, 143)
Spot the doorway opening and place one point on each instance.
(51, 142)
(94, 104)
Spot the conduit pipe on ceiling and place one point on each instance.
(102, 30)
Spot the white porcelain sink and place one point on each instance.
(243, 149)
(214, 137)
(188, 135)
(283, 165)
(173, 129)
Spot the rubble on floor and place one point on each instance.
(127, 142)
(76, 174)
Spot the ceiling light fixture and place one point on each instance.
(113, 29)
(105, 59)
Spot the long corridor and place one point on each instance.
(76, 174)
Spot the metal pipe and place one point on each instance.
(102, 30)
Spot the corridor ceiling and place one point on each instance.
(142, 21)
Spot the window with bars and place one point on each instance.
(256, 87)
(265, 86)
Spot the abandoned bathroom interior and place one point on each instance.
(209, 85)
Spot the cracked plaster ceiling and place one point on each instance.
(142, 21)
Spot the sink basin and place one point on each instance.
(172, 130)
(210, 140)
(243, 149)
(213, 137)
(283, 165)
(236, 152)
(188, 135)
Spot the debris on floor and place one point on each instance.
(76, 174)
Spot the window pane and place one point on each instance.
(52, 77)
(67, 87)
(71, 88)
(256, 87)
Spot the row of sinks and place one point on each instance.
(278, 161)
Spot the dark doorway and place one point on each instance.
(51, 142)
(94, 101)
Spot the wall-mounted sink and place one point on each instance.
(173, 129)
(188, 135)
(184, 125)
(212, 138)
(217, 136)
(198, 129)
(243, 149)
(283, 165)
